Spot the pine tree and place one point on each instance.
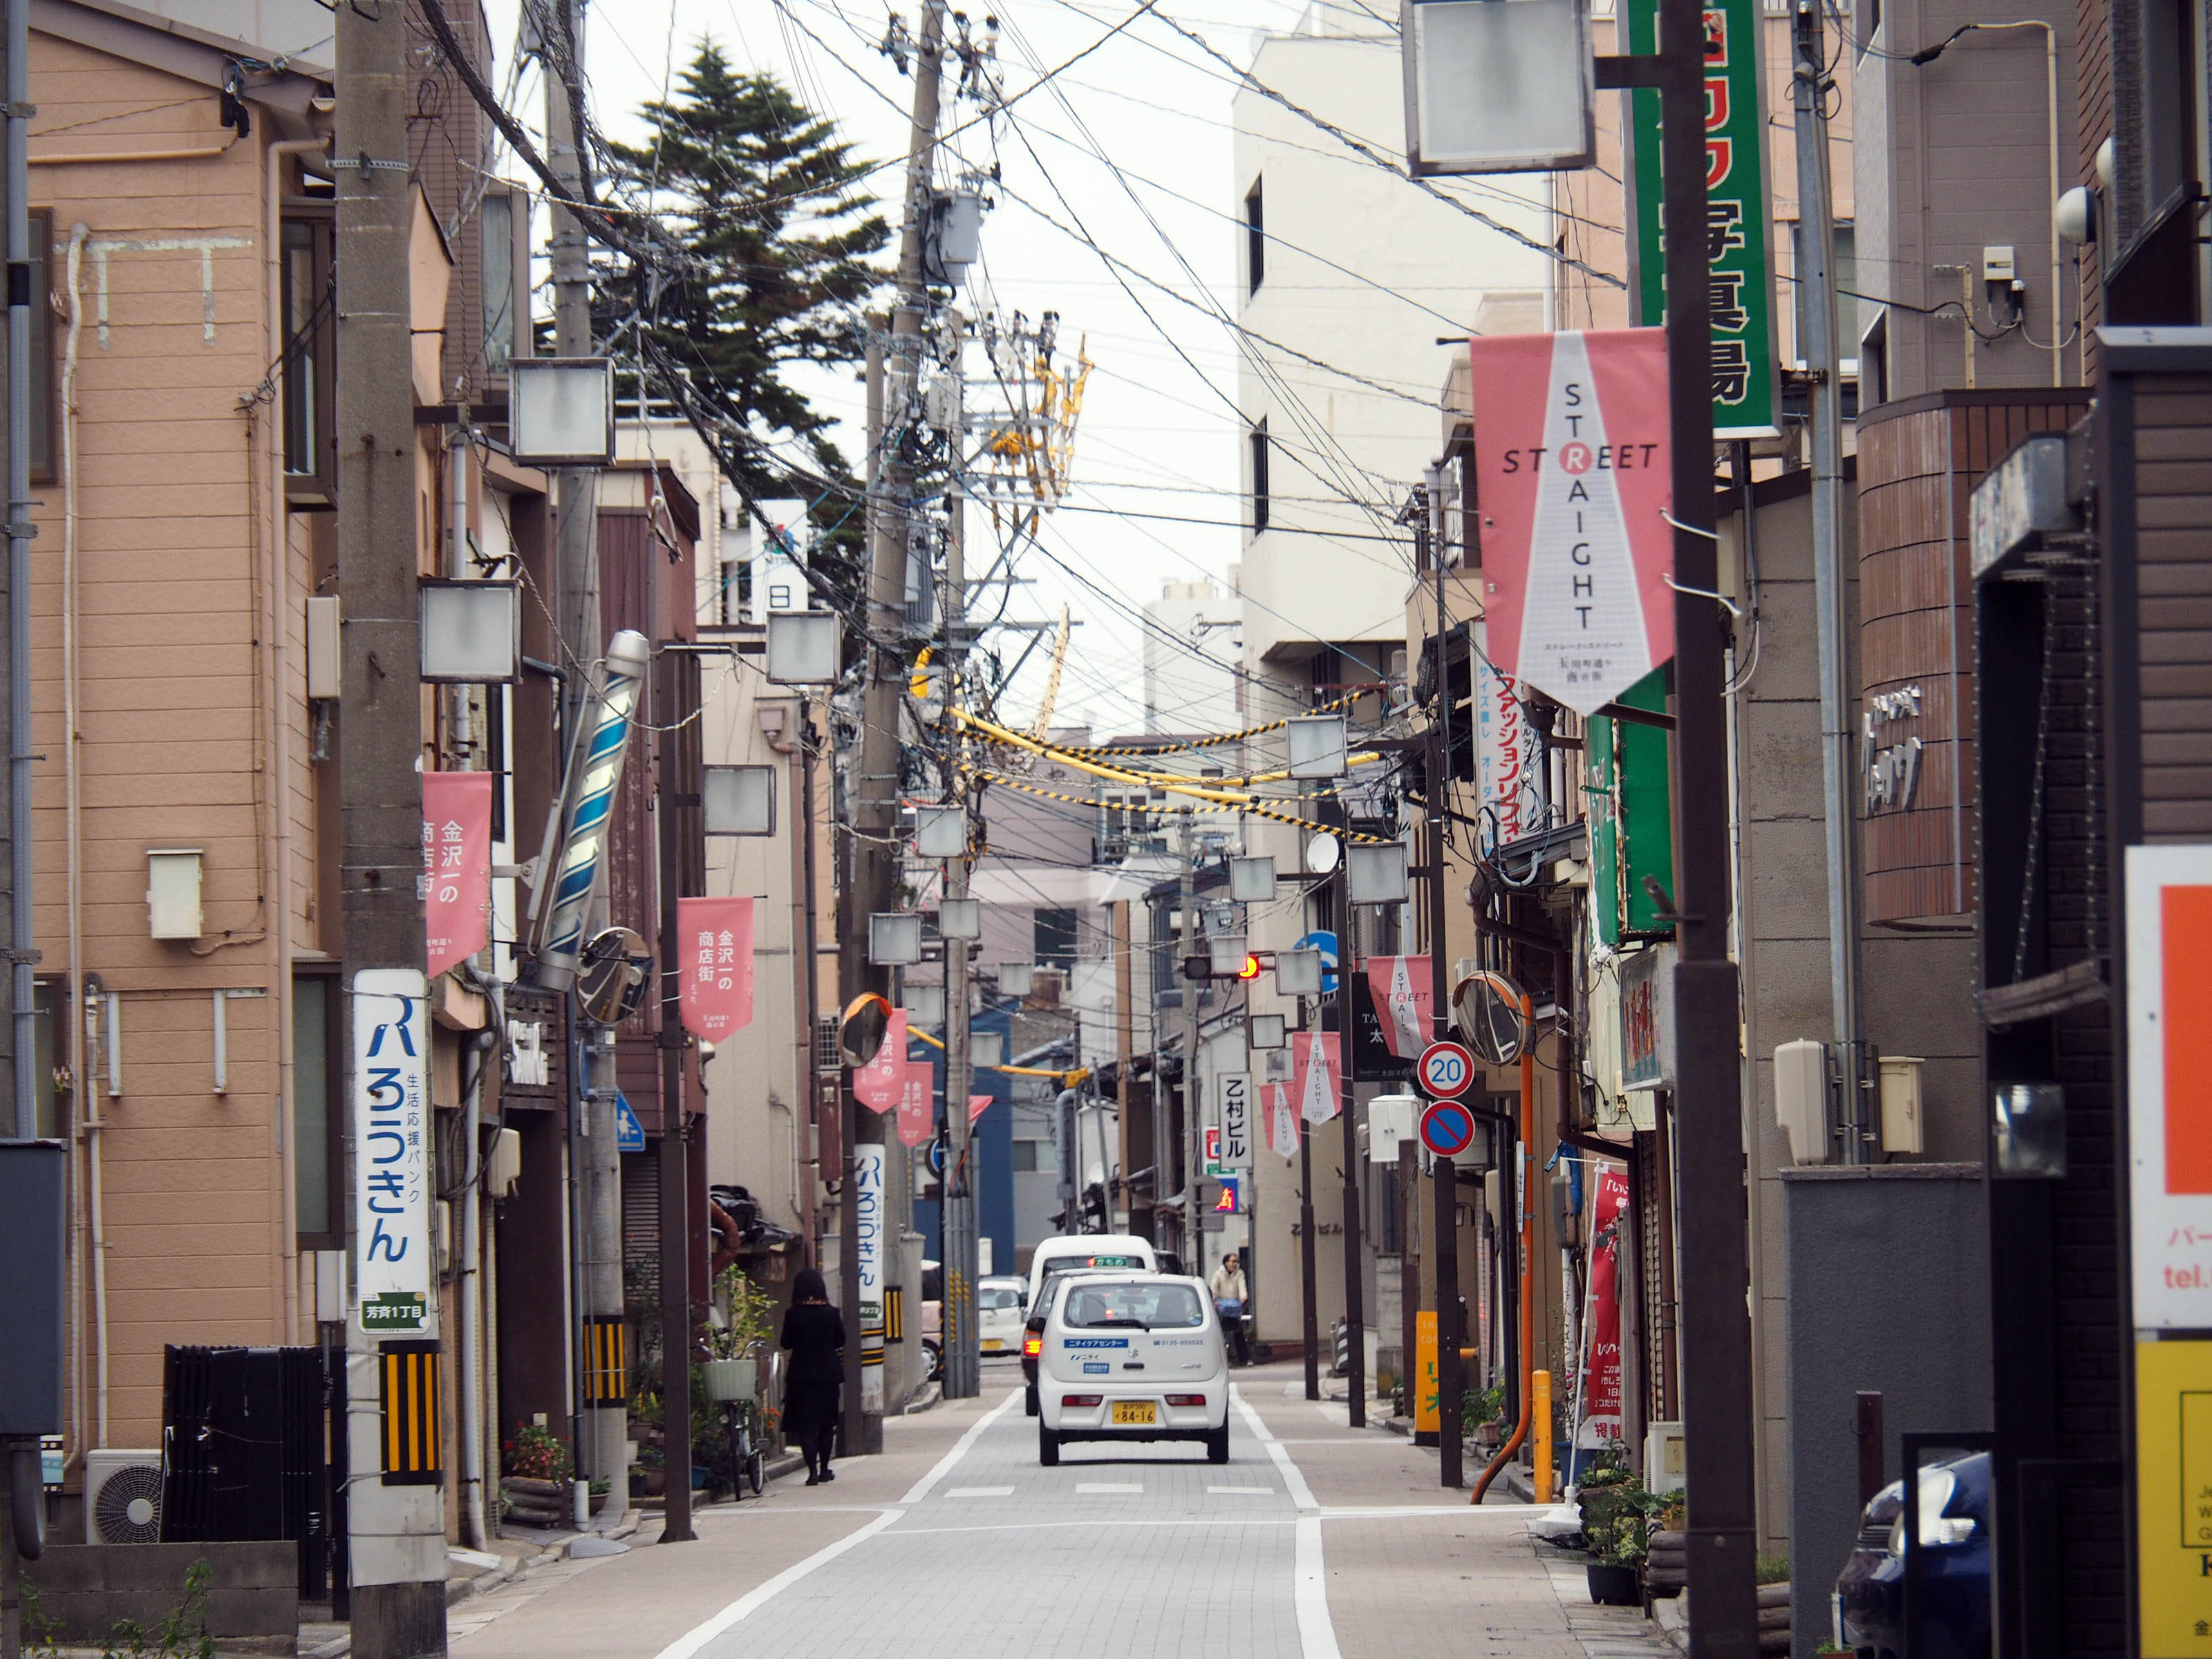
(762, 193)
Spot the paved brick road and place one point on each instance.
(1316, 1542)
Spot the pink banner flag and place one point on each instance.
(1404, 994)
(1282, 1121)
(916, 1118)
(456, 866)
(977, 1105)
(714, 942)
(880, 1084)
(1572, 465)
(1319, 1074)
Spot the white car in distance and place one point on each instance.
(1132, 1357)
(1000, 1302)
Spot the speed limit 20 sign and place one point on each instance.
(1445, 1071)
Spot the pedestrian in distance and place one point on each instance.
(815, 1333)
(1231, 1295)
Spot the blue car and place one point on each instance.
(1955, 1567)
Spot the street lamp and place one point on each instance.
(803, 647)
(561, 412)
(894, 939)
(1264, 1031)
(925, 1004)
(1377, 873)
(1317, 746)
(1297, 972)
(470, 631)
(1224, 952)
(1252, 881)
(739, 800)
(940, 832)
(960, 918)
(1017, 979)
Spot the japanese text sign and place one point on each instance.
(714, 942)
(1573, 457)
(1739, 235)
(1233, 1098)
(456, 866)
(390, 1084)
(2169, 913)
(879, 1085)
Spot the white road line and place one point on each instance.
(1108, 1485)
(692, 1641)
(1238, 1492)
(981, 1492)
(1316, 1633)
(920, 1490)
(1301, 1494)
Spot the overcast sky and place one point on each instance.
(1157, 434)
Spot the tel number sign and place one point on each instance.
(1446, 1069)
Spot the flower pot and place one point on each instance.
(648, 1483)
(1612, 1586)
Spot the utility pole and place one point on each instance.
(1192, 990)
(963, 1359)
(675, 1185)
(1451, 1337)
(596, 1166)
(1306, 1258)
(1355, 1312)
(396, 1542)
(1816, 279)
(873, 861)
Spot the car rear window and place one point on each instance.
(998, 1296)
(1109, 1305)
(1103, 1259)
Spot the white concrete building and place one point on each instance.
(1193, 643)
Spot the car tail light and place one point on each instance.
(1186, 1400)
(1032, 1345)
(1081, 1399)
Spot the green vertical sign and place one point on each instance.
(1631, 817)
(1739, 231)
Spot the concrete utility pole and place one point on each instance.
(596, 1166)
(396, 1543)
(1451, 1337)
(1191, 990)
(873, 792)
(964, 1357)
(1816, 279)
(1355, 1311)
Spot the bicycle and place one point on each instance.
(748, 1452)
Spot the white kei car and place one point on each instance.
(1135, 1356)
(998, 1308)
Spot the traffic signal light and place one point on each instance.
(1250, 969)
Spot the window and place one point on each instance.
(319, 1134)
(310, 352)
(1025, 1159)
(1848, 321)
(42, 348)
(1055, 936)
(1255, 242)
(1145, 1306)
(1259, 438)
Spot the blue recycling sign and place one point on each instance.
(630, 1133)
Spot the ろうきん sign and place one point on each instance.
(391, 1090)
(1572, 456)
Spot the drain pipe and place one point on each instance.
(1523, 1203)
(472, 1321)
(24, 988)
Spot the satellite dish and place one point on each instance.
(1323, 850)
(612, 979)
(1486, 1009)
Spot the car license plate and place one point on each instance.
(1135, 1410)
(992, 1345)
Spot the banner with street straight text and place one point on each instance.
(1572, 459)
(1739, 232)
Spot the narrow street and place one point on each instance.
(1316, 1540)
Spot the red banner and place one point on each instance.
(917, 1118)
(880, 1084)
(1282, 1121)
(977, 1105)
(456, 866)
(1318, 1076)
(1404, 993)
(1601, 1412)
(714, 938)
(1572, 467)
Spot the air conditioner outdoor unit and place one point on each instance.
(122, 1497)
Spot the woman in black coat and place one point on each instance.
(815, 1333)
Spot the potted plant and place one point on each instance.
(1617, 1550)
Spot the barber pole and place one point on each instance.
(594, 772)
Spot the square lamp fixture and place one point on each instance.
(894, 939)
(1316, 744)
(739, 800)
(986, 1048)
(1252, 881)
(1017, 979)
(472, 632)
(1225, 953)
(173, 892)
(960, 918)
(1494, 87)
(561, 412)
(1264, 1031)
(804, 647)
(1297, 974)
(1377, 872)
(940, 832)
(924, 1005)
